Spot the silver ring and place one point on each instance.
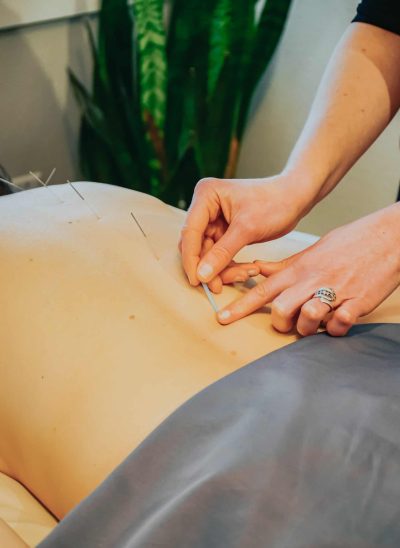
(326, 295)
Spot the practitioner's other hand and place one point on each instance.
(360, 261)
(231, 213)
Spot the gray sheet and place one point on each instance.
(301, 448)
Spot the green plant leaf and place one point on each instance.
(187, 51)
(152, 58)
(115, 93)
(114, 73)
(219, 42)
(105, 132)
(182, 182)
(116, 48)
(96, 159)
(89, 109)
(223, 106)
(168, 105)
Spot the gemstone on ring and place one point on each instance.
(326, 295)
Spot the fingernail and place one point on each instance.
(205, 270)
(239, 279)
(224, 315)
(252, 272)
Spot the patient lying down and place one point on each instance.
(102, 337)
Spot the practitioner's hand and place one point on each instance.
(360, 261)
(239, 272)
(231, 213)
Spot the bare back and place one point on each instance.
(101, 339)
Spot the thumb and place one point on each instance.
(221, 253)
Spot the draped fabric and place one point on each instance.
(300, 448)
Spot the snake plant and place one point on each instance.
(172, 85)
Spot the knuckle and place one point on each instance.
(241, 224)
(244, 227)
(249, 225)
(184, 230)
(364, 305)
(221, 252)
(278, 308)
(261, 290)
(204, 184)
(345, 317)
(310, 312)
(336, 331)
(188, 228)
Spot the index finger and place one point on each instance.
(192, 234)
(263, 293)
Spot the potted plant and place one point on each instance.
(172, 85)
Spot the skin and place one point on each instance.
(78, 294)
(10, 539)
(290, 284)
(100, 339)
(358, 96)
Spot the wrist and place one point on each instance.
(388, 227)
(317, 173)
(301, 188)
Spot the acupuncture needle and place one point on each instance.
(50, 176)
(145, 235)
(210, 297)
(45, 185)
(205, 286)
(82, 198)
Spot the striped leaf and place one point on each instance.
(152, 58)
(170, 106)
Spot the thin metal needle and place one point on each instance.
(210, 297)
(137, 222)
(50, 176)
(46, 183)
(82, 198)
(205, 286)
(38, 179)
(144, 234)
(11, 183)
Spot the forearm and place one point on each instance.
(358, 96)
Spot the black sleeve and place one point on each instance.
(381, 13)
